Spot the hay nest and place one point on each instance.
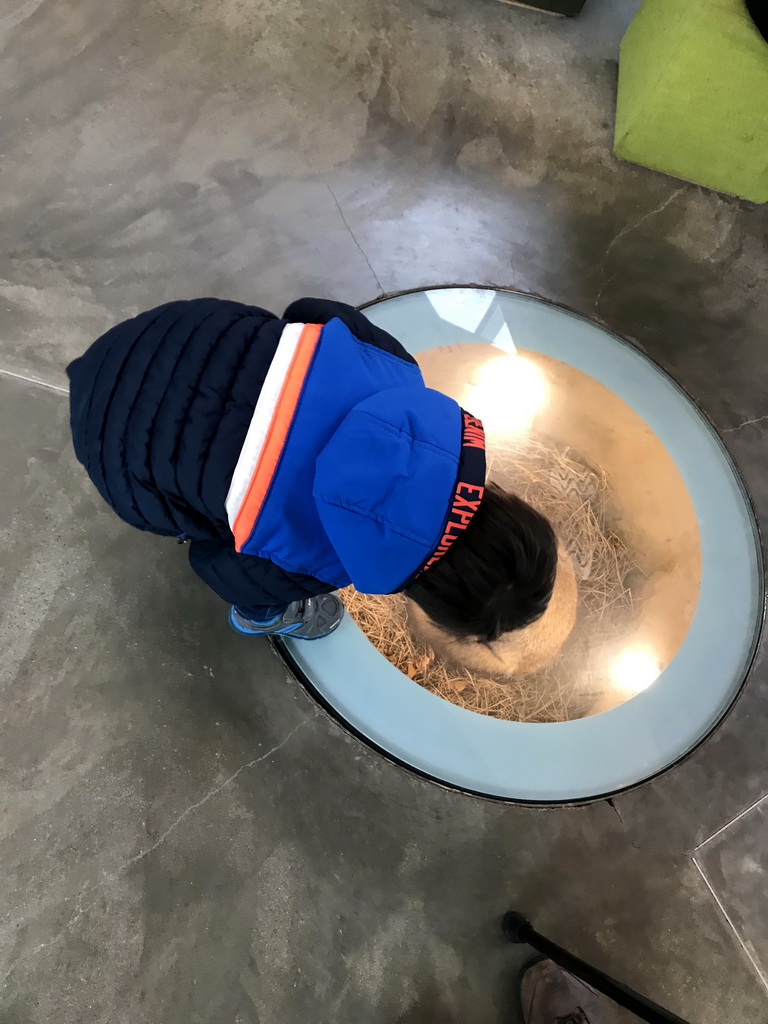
(570, 676)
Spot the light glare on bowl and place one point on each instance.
(508, 393)
(634, 670)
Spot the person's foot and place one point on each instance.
(552, 996)
(311, 619)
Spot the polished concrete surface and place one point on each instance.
(186, 837)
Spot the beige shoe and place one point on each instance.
(552, 996)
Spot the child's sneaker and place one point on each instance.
(311, 619)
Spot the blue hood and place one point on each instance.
(368, 475)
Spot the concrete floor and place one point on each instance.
(186, 837)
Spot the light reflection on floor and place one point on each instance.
(630, 566)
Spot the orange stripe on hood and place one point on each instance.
(266, 467)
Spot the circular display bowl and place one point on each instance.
(659, 596)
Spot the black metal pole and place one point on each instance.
(518, 929)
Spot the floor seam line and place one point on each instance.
(755, 965)
(28, 379)
(733, 821)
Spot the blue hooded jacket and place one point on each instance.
(364, 488)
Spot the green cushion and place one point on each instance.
(693, 95)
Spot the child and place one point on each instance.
(298, 455)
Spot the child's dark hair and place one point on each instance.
(498, 576)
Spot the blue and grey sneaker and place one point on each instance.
(311, 619)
